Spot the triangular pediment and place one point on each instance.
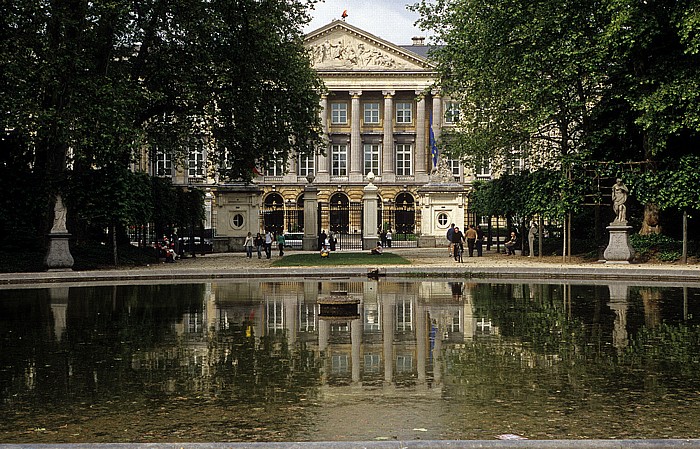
(340, 46)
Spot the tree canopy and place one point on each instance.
(88, 86)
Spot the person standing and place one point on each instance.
(259, 243)
(332, 240)
(388, 238)
(471, 240)
(268, 243)
(457, 241)
(280, 243)
(450, 231)
(531, 238)
(322, 238)
(248, 245)
(479, 241)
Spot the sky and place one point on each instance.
(387, 19)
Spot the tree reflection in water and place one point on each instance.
(252, 361)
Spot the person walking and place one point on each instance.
(280, 243)
(268, 243)
(259, 243)
(248, 245)
(457, 243)
(388, 238)
(479, 241)
(450, 232)
(471, 239)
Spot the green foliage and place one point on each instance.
(543, 192)
(525, 72)
(646, 246)
(675, 184)
(86, 88)
(669, 256)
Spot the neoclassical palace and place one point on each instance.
(378, 113)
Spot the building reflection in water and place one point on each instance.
(195, 335)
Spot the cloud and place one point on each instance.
(387, 19)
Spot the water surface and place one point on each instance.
(254, 361)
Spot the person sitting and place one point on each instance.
(377, 250)
(325, 252)
(510, 244)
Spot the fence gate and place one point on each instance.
(344, 220)
(402, 219)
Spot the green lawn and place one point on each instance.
(315, 260)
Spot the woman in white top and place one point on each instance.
(248, 245)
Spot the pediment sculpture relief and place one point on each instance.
(345, 52)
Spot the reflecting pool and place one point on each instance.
(254, 361)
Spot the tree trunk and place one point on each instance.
(650, 225)
(684, 257)
(114, 245)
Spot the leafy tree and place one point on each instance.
(94, 85)
(526, 74)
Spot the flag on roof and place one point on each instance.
(345, 14)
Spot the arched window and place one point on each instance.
(339, 206)
(273, 212)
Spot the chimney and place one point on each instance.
(418, 40)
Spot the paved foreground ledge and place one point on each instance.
(435, 444)
(425, 262)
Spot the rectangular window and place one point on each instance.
(275, 169)
(483, 169)
(373, 364)
(454, 167)
(514, 163)
(164, 164)
(306, 165)
(404, 315)
(339, 113)
(339, 157)
(451, 112)
(403, 159)
(404, 112)
(195, 164)
(372, 158)
(371, 113)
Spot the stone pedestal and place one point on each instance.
(369, 217)
(310, 240)
(619, 249)
(59, 257)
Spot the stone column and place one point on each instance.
(310, 240)
(369, 217)
(322, 169)
(421, 342)
(356, 346)
(355, 138)
(388, 164)
(388, 337)
(437, 120)
(420, 151)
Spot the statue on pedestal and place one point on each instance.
(619, 197)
